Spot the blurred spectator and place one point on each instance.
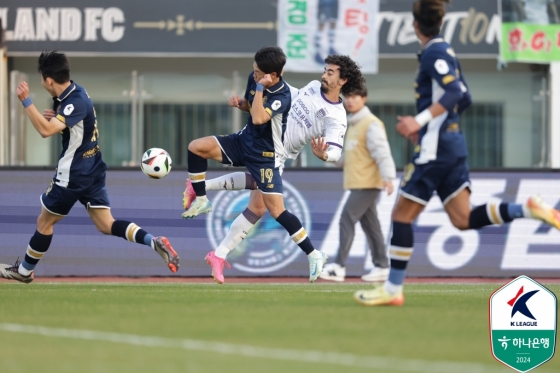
(541, 12)
(368, 169)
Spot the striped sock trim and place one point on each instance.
(493, 212)
(33, 253)
(331, 37)
(131, 231)
(318, 36)
(197, 177)
(400, 253)
(299, 236)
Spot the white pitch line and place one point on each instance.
(334, 358)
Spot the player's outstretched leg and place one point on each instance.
(133, 233)
(232, 181)
(500, 213)
(295, 229)
(197, 166)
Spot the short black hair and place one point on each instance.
(362, 92)
(54, 65)
(348, 70)
(271, 60)
(429, 14)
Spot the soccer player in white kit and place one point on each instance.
(317, 116)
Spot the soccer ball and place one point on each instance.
(156, 163)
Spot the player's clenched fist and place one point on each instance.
(22, 91)
(407, 126)
(235, 101)
(48, 114)
(266, 80)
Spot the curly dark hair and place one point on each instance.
(348, 70)
(429, 14)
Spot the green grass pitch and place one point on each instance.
(291, 328)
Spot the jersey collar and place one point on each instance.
(275, 88)
(432, 41)
(67, 91)
(329, 101)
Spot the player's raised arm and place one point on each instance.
(45, 127)
(258, 112)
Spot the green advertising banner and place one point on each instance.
(530, 43)
(530, 31)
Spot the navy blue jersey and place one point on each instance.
(266, 139)
(440, 74)
(80, 159)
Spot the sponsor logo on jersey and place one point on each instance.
(321, 113)
(68, 109)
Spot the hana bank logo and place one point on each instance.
(267, 247)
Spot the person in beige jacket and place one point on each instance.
(369, 168)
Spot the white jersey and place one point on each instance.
(293, 91)
(312, 115)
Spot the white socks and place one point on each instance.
(315, 254)
(237, 233)
(24, 271)
(392, 288)
(233, 181)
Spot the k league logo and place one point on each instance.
(519, 304)
(523, 316)
(267, 247)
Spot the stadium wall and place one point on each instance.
(523, 247)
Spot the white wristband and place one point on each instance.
(424, 117)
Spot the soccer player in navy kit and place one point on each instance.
(80, 175)
(440, 160)
(268, 100)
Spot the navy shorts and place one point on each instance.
(327, 11)
(444, 177)
(91, 193)
(261, 165)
